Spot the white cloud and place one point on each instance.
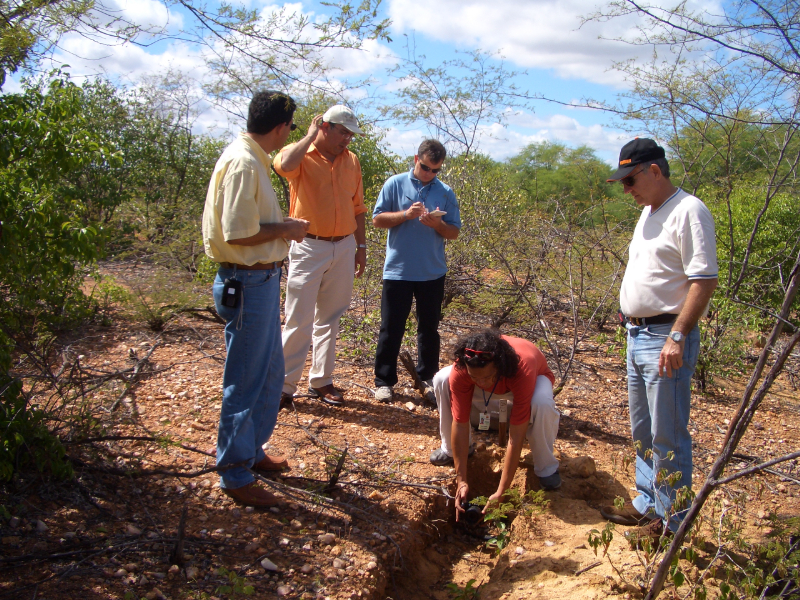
(127, 62)
(544, 34)
(524, 128)
(502, 143)
(146, 13)
(371, 58)
(404, 142)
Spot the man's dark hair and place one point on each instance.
(663, 165)
(268, 109)
(433, 149)
(484, 347)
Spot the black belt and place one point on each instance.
(255, 267)
(333, 238)
(661, 319)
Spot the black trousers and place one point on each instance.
(395, 307)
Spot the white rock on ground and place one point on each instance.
(269, 565)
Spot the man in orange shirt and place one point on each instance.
(326, 190)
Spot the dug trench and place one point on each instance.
(543, 552)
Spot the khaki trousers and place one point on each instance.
(319, 286)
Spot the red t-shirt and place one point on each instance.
(532, 363)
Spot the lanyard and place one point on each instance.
(485, 399)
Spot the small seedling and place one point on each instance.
(468, 592)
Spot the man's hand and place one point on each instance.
(697, 299)
(361, 261)
(296, 229)
(415, 210)
(671, 357)
(313, 129)
(431, 221)
(462, 493)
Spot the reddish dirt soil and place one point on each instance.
(109, 533)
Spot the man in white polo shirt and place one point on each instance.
(669, 280)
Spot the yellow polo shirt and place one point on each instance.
(240, 198)
(327, 194)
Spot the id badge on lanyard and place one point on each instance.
(484, 421)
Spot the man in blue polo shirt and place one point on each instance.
(420, 213)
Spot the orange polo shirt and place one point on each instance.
(328, 195)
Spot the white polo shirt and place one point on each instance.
(671, 246)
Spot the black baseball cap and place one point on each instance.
(636, 152)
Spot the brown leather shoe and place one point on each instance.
(287, 401)
(252, 494)
(627, 515)
(271, 463)
(650, 535)
(328, 394)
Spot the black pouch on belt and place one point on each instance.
(232, 292)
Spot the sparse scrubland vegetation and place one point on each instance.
(98, 182)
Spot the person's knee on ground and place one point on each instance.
(543, 429)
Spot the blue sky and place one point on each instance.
(564, 61)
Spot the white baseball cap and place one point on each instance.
(342, 115)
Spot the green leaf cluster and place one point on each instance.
(47, 145)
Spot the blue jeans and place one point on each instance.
(253, 376)
(659, 408)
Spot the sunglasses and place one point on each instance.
(427, 169)
(292, 126)
(631, 179)
(471, 355)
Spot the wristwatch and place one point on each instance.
(676, 336)
(361, 246)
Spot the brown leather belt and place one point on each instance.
(255, 267)
(661, 319)
(334, 238)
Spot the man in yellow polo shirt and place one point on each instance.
(326, 190)
(245, 232)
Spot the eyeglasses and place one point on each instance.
(427, 169)
(292, 126)
(343, 131)
(630, 179)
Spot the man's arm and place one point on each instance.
(459, 440)
(361, 240)
(290, 229)
(516, 435)
(700, 292)
(292, 156)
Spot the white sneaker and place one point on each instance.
(429, 395)
(384, 394)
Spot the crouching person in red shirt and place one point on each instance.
(489, 367)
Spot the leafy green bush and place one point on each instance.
(46, 146)
(26, 441)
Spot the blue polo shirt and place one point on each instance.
(415, 252)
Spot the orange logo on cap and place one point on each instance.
(625, 162)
